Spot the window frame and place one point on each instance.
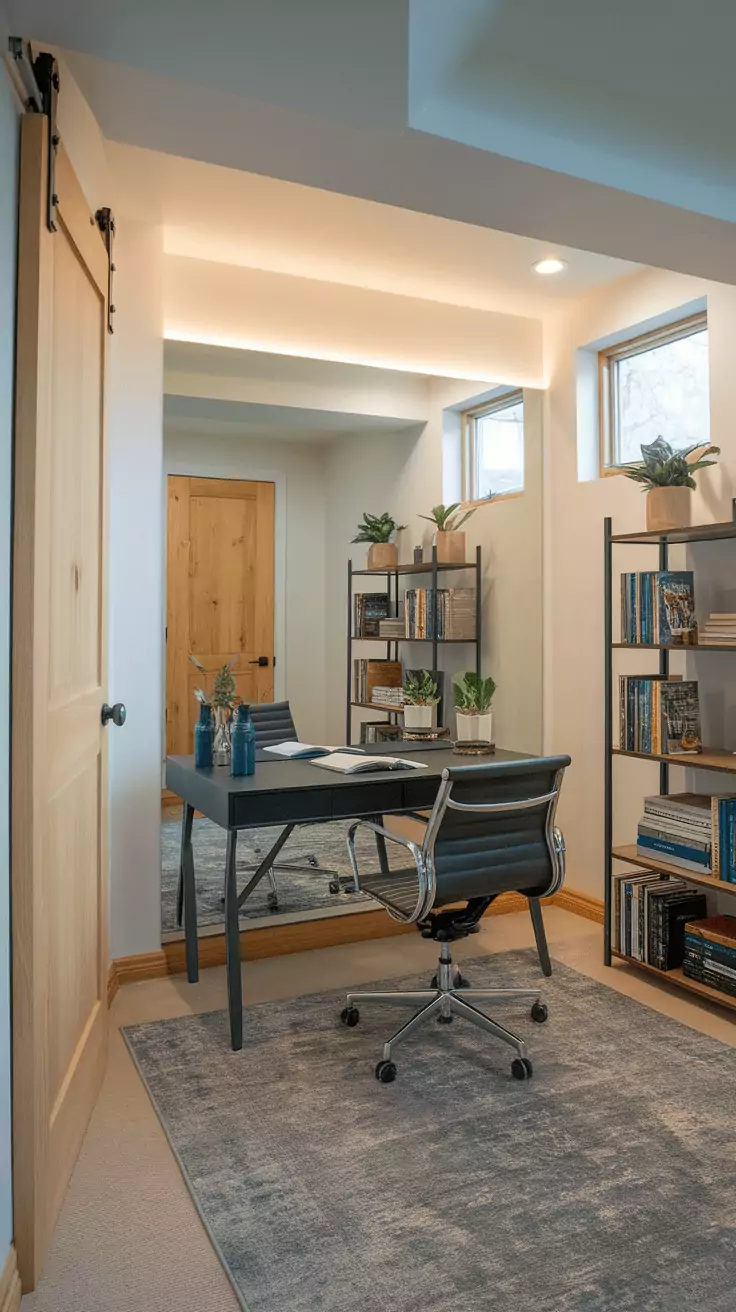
(470, 417)
(607, 361)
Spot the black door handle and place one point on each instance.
(115, 713)
(262, 660)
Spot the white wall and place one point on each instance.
(298, 472)
(574, 660)
(9, 111)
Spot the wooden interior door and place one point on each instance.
(59, 760)
(219, 599)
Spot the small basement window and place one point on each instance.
(494, 447)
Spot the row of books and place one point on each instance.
(710, 953)
(696, 831)
(659, 714)
(720, 629)
(369, 674)
(650, 912)
(450, 610)
(658, 607)
(369, 608)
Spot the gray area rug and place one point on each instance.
(604, 1184)
(304, 889)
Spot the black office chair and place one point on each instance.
(491, 830)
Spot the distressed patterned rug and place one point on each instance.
(604, 1184)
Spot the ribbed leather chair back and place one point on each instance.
(479, 853)
(273, 723)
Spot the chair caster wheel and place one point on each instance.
(445, 1020)
(350, 1016)
(386, 1072)
(334, 886)
(539, 1012)
(521, 1068)
(460, 982)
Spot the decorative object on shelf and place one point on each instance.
(203, 738)
(667, 478)
(243, 742)
(473, 748)
(418, 555)
(425, 735)
(473, 697)
(448, 521)
(222, 702)
(420, 698)
(383, 554)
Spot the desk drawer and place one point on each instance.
(282, 808)
(368, 799)
(420, 794)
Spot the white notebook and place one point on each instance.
(348, 763)
(295, 751)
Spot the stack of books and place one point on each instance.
(368, 674)
(659, 714)
(370, 608)
(696, 831)
(659, 608)
(391, 628)
(710, 953)
(452, 610)
(650, 912)
(720, 629)
(386, 696)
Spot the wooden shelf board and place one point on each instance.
(672, 646)
(629, 854)
(680, 980)
(425, 568)
(441, 642)
(378, 706)
(711, 758)
(697, 533)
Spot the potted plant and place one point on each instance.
(667, 478)
(473, 697)
(420, 699)
(223, 701)
(448, 520)
(379, 530)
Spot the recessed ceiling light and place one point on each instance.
(550, 265)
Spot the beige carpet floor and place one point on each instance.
(129, 1238)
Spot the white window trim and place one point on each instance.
(607, 360)
(469, 419)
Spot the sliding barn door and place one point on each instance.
(219, 599)
(59, 803)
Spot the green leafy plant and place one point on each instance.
(661, 466)
(473, 693)
(377, 528)
(420, 689)
(223, 691)
(448, 519)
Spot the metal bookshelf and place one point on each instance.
(432, 570)
(713, 759)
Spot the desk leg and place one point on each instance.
(232, 941)
(381, 849)
(189, 895)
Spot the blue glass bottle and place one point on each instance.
(203, 738)
(243, 741)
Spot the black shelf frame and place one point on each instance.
(663, 541)
(431, 568)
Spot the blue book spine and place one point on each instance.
(646, 607)
(632, 607)
(707, 950)
(667, 848)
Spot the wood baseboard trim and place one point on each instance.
(580, 904)
(113, 983)
(10, 1283)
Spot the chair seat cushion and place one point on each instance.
(399, 890)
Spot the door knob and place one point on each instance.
(262, 660)
(115, 713)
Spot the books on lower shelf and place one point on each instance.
(658, 607)
(369, 609)
(379, 731)
(650, 912)
(659, 714)
(451, 609)
(696, 831)
(720, 630)
(368, 674)
(710, 953)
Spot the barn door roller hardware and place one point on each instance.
(39, 79)
(106, 225)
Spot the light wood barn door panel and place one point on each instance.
(220, 602)
(59, 758)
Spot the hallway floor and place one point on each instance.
(129, 1238)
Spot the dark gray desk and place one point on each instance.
(287, 793)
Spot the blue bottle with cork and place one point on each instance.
(243, 740)
(204, 734)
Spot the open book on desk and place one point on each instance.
(346, 762)
(305, 751)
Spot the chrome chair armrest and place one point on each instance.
(411, 847)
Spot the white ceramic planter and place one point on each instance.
(475, 728)
(418, 717)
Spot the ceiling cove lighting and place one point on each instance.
(549, 265)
